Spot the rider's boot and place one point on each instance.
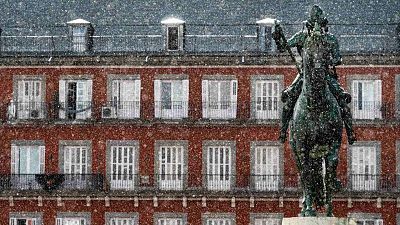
(348, 124)
(287, 113)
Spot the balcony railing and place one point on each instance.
(171, 181)
(372, 182)
(121, 110)
(266, 110)
(27, 110)
(367, 110)
(171, 109)
(90, 182)
(75, 110)
(353, 183)
(220, 110)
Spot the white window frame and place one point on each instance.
(368, 154)
(119, 92)
(223, 108)
(67, 151)
(266, 105)
(84, 218)
(113, 218)
(214, 180)
(371, 109)
(179, 25)
(29, 96)
(179, 108)
(34, 217)
(83, 102)
(79, 38)
(171, 157)
(266, 218)
(267, 174)
(218, 219)
(26, 180)
(376, 218)
(128, 178)
(170, 218)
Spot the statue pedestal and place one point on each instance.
(317, 221)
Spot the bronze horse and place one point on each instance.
(316, 128)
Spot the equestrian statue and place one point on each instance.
(315, 107)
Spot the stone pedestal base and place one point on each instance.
(317, 221)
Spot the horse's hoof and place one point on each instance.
(310, 213)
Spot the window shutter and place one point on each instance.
(61, 99)
(355, 99)
(379, 222)
(204, 84)
(13, 221)
(234, 97)
(157, 98)
(354, 160)
(378, 99)
(185, 98)
(14, 159)
(59, 221)
(89, 84)
(21, 89)
(137, 98)
(42, 158)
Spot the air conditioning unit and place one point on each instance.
(108, 112)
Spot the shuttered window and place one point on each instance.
(171, 98)
(219, 99)
(126, 98)
(367, 99)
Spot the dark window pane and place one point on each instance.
(172, 38)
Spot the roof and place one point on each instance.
(374, 20)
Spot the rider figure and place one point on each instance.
(291, 93)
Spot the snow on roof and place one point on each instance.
(172, 21)
(78, 21)
(267, 21)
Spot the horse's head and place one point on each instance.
(315, 61)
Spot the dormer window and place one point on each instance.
(173, 34)
(265, 34)
(81, 32)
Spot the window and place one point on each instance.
(171, 98)
(27, 160)
(79, 39)
(170, 219)
(265, 33)
(72, 218)
(219, 165)
(121, 218)
(266, 219)
(174, 34)
(28, 101)
(219, 99)
(75, 99)
(266, 166)
(365, 166)
(366, 218)
(266, 91)
(171, 168)
(75, 159)
(17, 218)
(125, 98)
(173, 38)
(81, 35)
(123, 159)
(219, 219)
(367, 99)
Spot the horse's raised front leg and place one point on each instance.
(332, 184)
